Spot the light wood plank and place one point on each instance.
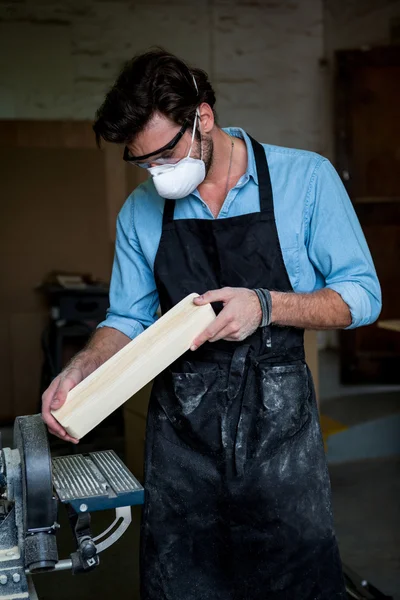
(133, 367)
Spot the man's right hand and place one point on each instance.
(55, 396)
(104, 344)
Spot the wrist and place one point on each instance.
(264, 297)
(86, 361)
(259, 307)
(274, 302)
(278, 300)
(275, 310)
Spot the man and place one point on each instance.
(237, 491)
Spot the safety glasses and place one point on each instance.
(139, 160)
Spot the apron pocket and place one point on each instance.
(191, 388)
(193, 405)
(282, 404)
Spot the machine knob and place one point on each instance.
(88, 549)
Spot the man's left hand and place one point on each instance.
(239, 318)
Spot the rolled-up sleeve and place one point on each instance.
(337, 247)
(133, 294)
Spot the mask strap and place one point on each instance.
(194, 126)
(195, 123)
(193, 134)
(201, 145)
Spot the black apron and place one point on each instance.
(237, 499)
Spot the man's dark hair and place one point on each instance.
(150, 82)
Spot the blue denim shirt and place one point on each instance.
(321, 238)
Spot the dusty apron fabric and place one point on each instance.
(237, 490)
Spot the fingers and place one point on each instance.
(52, 399)
(230, 333)
(54, 426)
(222, 295)
(56, 429)
(48, 395)
(239, 318)
(223, 325)
(211, 331)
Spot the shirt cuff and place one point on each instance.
(357, 300)
(127, 326)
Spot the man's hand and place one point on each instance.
(105, 342)
(55, 396)
(239, 318)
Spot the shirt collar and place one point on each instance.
(251, 170)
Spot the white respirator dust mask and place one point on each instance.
(175, 181)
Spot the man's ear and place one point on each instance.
(206, 116)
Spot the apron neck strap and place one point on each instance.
(264, 179)
(264, 184)
(168, 214)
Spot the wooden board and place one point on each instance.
(133, 367)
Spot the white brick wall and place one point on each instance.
(262, 57)
(266, 69)
(57, 58)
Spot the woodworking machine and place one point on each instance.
(32, 485)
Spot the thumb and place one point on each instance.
(61, 393)
(57, 401)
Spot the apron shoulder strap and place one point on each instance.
(264, 179)
(168, 214)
